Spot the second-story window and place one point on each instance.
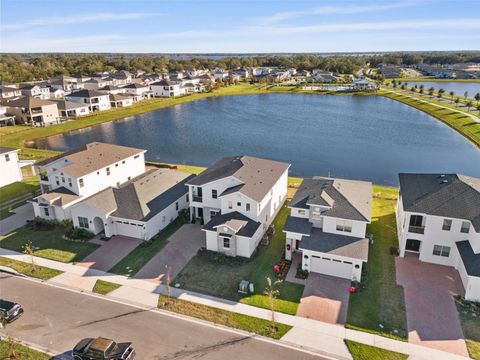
(63, 180)
(57, 180)
(247, 206)
(214, 194)
(447, 224)
(108, 171)
(7, 157)
(230, 205)
(69, 182)
(302, 212)
(239, 204)
(344, 225)
(80, 181)
(465, 227)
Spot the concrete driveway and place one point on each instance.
(432, 317)
(181, 247)
(325, 298)
(109, 254)
(18, 219)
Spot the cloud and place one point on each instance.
(330, 10)
(452, 24)
(79, 19)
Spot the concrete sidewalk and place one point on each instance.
(307, 333)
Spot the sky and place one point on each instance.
(238, 26)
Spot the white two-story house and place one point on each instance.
(166, 88)
(328, 224)
(438, 219)
(73, 176)
(141, 90)
(237, 199)
(96, 101)
(11, 166)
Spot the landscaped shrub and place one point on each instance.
(395, 251)
(301, 274)
(42, 224)
(78, 233)
(282, 272)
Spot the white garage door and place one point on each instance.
(328, 266)
(129, 229)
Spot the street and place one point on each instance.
(57, 319)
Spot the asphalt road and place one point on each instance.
(57, 319)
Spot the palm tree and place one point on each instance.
(469, 104)
(271, 292)
(440, 93)
(403, 87)
(430, 91)
(457, 100)
(452, 94)
(413, 89)
(465, 95)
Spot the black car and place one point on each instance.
(9, 311)
(103, 349)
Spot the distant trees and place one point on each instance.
(452, 94)
(477, 97)
(430, 91)
(440, 93)
(469, 104)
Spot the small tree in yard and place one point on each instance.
(271, 292)
(465, 95)
(28, 250)
(452, 94)
(477, 97)
(457, 100)
(469, 105)
(440, 93)
(430, 91)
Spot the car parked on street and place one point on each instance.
(103, 349)
(9, 311)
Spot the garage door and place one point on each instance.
(328, 266)
(129, 229)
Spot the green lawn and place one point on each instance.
(143, 253)
(50, 244)
(366, 352)
(10, 349)
(460, 122)
(382, 302)
(223, 317)
(12, 191)
(40, 272)
(221, 278)
(104, 287)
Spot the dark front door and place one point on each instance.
(412, 245)
(297, 244)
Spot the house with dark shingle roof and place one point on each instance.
(438, 220)
(237, 199)
(139, 208)
(327, 226)
(96, 100)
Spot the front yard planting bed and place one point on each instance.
(10, 349)
(40, 272)
(48, 244)
(366, 352)
(223, 317)
(469, 314)
(220, 275)
(104, 287)
(382, 302)
(145, 252)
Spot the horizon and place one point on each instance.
(247, 27)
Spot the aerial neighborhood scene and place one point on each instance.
(239, 180)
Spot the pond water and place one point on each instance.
(359, 137)
(458, 87)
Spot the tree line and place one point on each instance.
(30, 67)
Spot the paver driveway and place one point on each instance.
(18, 219)
(325, 298)
(181, 247)
(432, 317)
(109, 254)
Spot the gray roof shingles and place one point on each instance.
(471, 261)
(298, 225)
(248, 230)
(448, 195)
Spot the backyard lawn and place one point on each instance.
(48, 244)
(12, 191)
(220, 276)
(382, 302)
(142, 254)
(470, 320)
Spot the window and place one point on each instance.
(46, 212)
(416, 220)
(136, 156)
(440, 250)
(83, 222)
(226, 243)
(57, 180)
(69, 182)
(186, 198)
(239, 204)
(465, 227)
(230, 205)
(447, 224)
(63, 179)
(123, 162)
(214, 194)
(164, 218)
(302, 212)
(344, 225)
(80, 181)
(176, 206)
(116, 165)
(213, 213)
(247, 206)
(7, 157)
(108, 171)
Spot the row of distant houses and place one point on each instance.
(69, 97)
(449, 71)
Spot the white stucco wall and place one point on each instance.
(358, 227)
(10, 170)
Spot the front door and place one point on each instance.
(297, 244)
(412, 245)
